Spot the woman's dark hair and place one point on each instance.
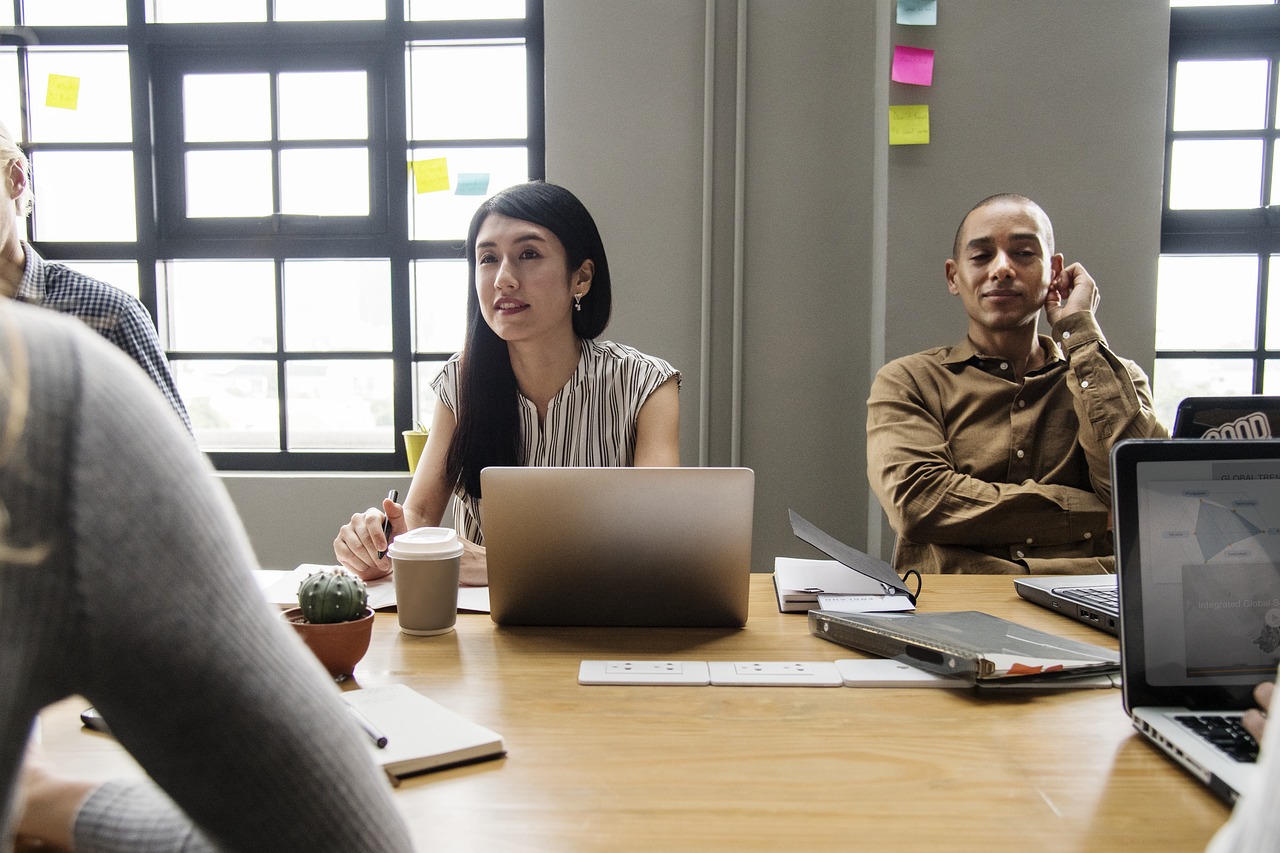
(488, 429)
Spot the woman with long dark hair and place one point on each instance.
(532, 385)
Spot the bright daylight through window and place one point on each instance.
(286, 186)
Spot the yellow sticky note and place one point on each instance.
(431, 176)
(909, 124)
(63, 92)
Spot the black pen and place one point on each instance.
(379, 739)
(392, 495)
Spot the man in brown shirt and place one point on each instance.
(992, 455)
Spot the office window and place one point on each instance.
(1217, 313)
(286, 185)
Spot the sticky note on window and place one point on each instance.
(472, 183)
(912, 65)
(431, 176)
(909, 124)
(63, 92)
(918, 13)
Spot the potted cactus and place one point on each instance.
(334, 619)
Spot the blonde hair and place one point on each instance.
(15, 393)
(11, 152)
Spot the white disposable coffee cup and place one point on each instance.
(424, 564)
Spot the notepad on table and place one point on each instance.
(421, 734)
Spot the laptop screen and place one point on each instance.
(1198, 554)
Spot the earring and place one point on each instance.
(577, 302)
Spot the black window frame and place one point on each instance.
(157, 55)
(1240, 32)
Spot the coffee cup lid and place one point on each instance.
(425, 543)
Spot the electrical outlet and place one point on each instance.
(651, 672)
(775, 674)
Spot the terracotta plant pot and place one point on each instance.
(338, 645)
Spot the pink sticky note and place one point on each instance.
(912, 65)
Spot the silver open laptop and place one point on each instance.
(1091, 599)
(650, 547)
(1197, 531)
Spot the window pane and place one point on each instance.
(10, 92)
(307, 184)
(79, 95)
(439, 306)
(83, 195)
(340, 405)
(331, 10)
(202, 11)
(229, 183)
(337, 305)
(461, 10)
(226, 107)
(424, 399)
(1220, 95)
(73, 13)
(234, 405)
(1186, 320)
(220, 306)
(1272, 334)
(1221, 2)
(1223, 173)
(324, 105)
(121, 274)
(1177, 378)
(474, 91)
(443, 214)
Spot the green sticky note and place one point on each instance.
(472, 183)
(63, 92)
(431, 176)
(909, 124)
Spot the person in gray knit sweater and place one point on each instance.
(124, 578)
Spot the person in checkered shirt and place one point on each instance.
(108, 310)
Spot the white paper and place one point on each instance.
(281, 587)
(865, 603)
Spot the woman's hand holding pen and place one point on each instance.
(361, 544)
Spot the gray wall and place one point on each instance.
(778, 325)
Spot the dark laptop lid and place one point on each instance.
(1197, 538)
(1246, 416)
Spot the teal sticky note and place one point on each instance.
(918, 13)
(472, 183)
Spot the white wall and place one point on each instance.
(842, 240)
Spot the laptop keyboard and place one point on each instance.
(1225, 733)
(1105, 599)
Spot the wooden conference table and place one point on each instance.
(760, 768)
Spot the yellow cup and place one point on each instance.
(414, 441)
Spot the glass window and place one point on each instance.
(229, 183)
(1220, 95)
(205, 12)
(221, 306)
(446, 185)
(324, 105)
(1215, 173)
(341, 405)
(1178, 378)
(467, 91)
(83, 196)
(456, 10)
(324, 181)
(226, 107)
(440, 306)
(233, 405)
(1190, 315)
(79, 95)
(306, 289)
(337, 305)
(72, 13)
